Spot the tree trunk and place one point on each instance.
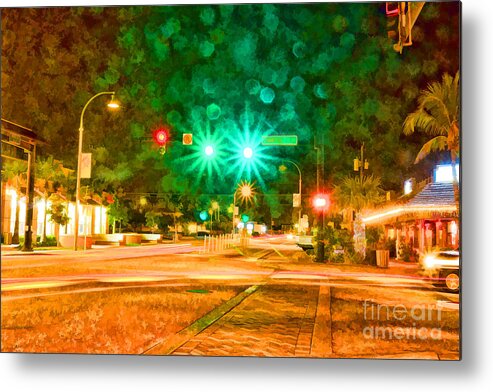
(455, 181)
(359, 235)
(66, 225)
(43, 235)
(57, 234)
(15, 236)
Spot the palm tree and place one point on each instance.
(14, 173)
(437, 115)
(358, 194)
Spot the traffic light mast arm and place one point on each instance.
(408, 14)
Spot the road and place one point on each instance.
(268, 300)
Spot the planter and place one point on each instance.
(67, 241)
(150, 238)
(132, 239)
(383, 258)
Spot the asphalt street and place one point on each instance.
(275, 301)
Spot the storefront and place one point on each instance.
(427, 220)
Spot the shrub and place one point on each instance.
(355, 258)
(339, 242)
(373, 235)
(50, 241)
(407, 252)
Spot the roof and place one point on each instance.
(435, 200)
(434, 194)
(20, 130)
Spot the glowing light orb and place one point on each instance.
(246, 191)
(297, 84)
(299, 49)
(248, 157)
(205, 158)
(267, 95)
(321, 202)
(203, 215)
(213, 111)
(209, 151)
(247, 152)
(160, 136)
(252, 86)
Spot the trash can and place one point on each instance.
(7, 238)
(383, 258)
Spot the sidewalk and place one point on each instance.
(287, 321)
(272, 321)
(12, 250)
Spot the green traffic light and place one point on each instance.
(209, 150)
(247, 152)
(205, 158)
(248, 157)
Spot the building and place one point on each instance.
(425, 217)
(19, 143)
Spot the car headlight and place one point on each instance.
(429, 261)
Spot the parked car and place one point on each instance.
(444, 266)
(202, 233)
(305, 242)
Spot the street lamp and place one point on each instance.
(321, 204)
(112, 105)
(299, 191)
(246, 192)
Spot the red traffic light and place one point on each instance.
(160, 136)
(321, 201)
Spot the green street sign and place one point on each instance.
(280, 140)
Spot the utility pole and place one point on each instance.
(28, 235)
(361, 164)
(320, 256)
(318, 164)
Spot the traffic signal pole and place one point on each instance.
(234, 210)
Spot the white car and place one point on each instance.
(445, 267)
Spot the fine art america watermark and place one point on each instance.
(380, 321)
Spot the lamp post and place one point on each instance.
(299, 191)
(234, 209)
(246, 190)
(112, 105)
(320, 204)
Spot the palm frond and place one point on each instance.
(357, 193)
(422, 120)
(438, 143)
(437, 115)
